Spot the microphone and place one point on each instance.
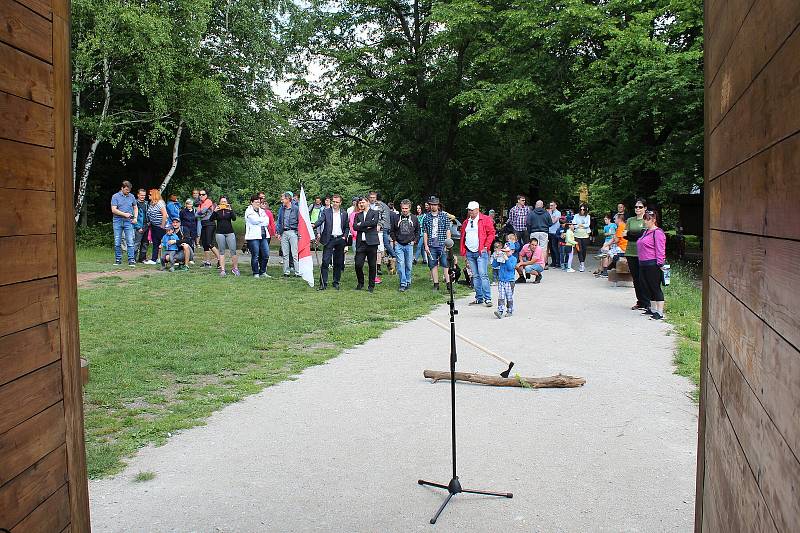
(451, 261)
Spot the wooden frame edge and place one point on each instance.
(67, 277)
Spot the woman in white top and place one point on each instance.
(257, 236)
(582, 222)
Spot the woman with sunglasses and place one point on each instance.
(652, 246)
(634, 227)
(582, 222)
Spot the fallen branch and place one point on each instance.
(559, 381)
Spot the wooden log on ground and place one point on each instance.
(559, 381)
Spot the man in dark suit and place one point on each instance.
(335, 226)
(365, 224)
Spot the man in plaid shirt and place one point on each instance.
(518, 216)
(435, 230)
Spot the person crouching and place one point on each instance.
(506, 263)
(168, 247)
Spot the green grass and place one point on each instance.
(144, 476)
(166, 351)
(683, 310)
(96, 259)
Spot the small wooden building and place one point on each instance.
(748, 476)
(43, 485)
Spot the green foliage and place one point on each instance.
(96, 235)
(462, 98)
(506, 97)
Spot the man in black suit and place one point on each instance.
(335, 226)
(365, 223)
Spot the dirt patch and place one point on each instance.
(85, 279)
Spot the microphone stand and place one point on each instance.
(454, 486)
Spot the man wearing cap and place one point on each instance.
(286, 229)
(477, 235)
(435, 231)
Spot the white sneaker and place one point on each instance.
(581, 268)
(149, 262)
(570, 270)
(255, 275)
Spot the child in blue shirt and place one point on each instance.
(501, 257)
(511, 242)
(505, 283)
(168, 247)
(608, 231)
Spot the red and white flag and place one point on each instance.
(304, 232)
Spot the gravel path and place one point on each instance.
(341, 448)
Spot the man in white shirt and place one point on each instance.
(333, 237)
(478, 233)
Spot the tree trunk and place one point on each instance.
(75, 143)
(175, 146)
(558, 381)
(87, 164)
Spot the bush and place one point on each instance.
(100, 234)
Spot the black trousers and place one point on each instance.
(334, 250)
(642, 299)
(584, 242)
(555, 251)
(370, 254)
(651, 282)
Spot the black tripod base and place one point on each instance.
(453, 488)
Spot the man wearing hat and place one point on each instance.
(435, 230)
(477, 235)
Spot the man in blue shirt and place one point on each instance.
(286, 230)
(125, 211)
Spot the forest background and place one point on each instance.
(465, 99)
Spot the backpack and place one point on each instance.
(405, 230)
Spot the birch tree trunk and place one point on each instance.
(175, 147)
(75, 143)
(87, 164)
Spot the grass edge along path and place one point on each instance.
(684, 302)
(166, 351)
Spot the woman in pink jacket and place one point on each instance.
(652, 246)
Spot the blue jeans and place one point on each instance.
(259, 255)
(387, 244)
(123, 225)
(405, 256)
(479, 264)
(420, 249)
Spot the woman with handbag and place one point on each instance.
(652, 246)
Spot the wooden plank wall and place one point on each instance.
(749, 440)
(43, 484)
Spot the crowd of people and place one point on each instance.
(496, 251)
